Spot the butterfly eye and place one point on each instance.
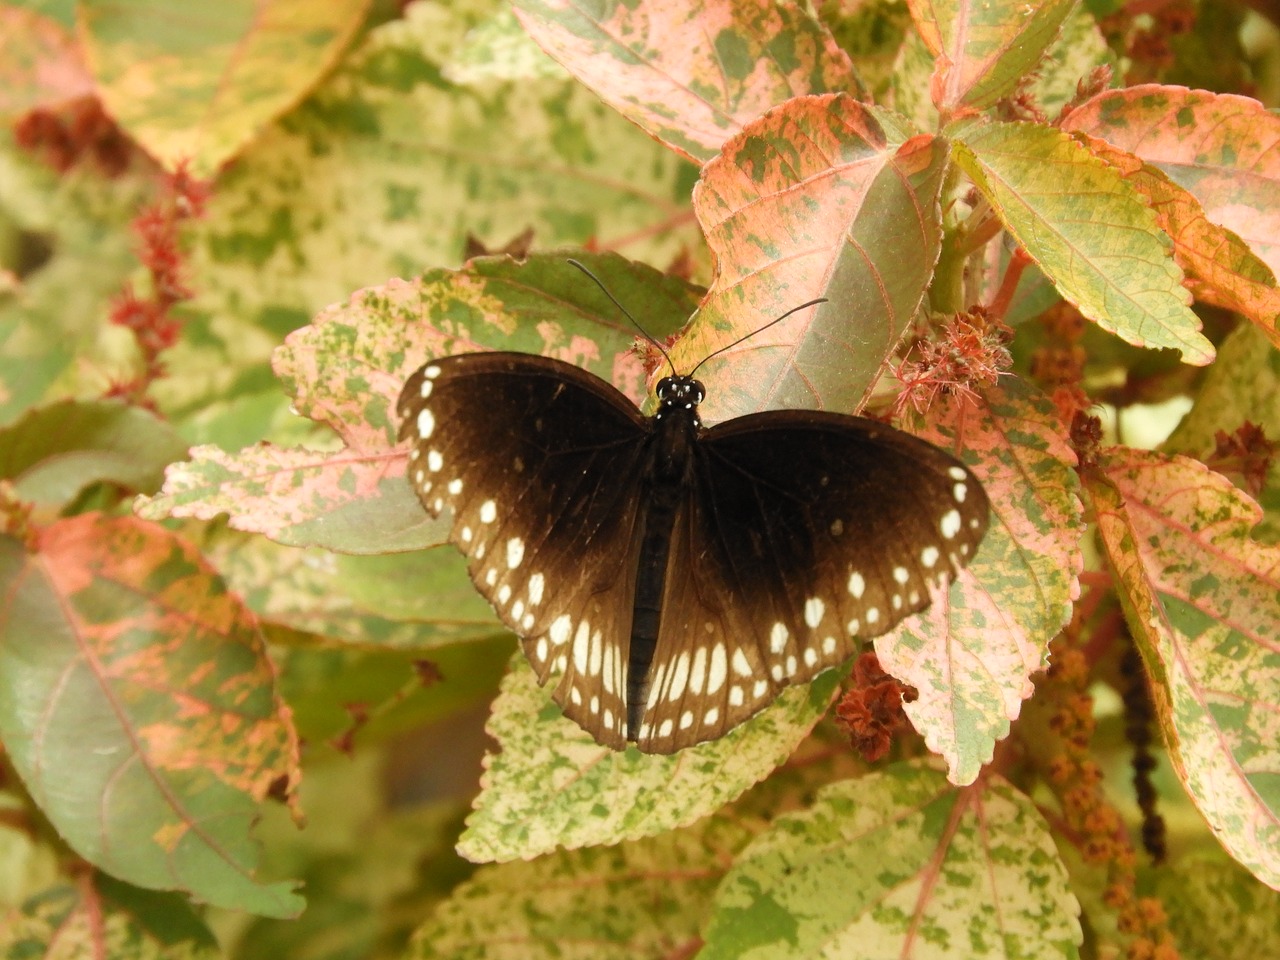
(665, 386)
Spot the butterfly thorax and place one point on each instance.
(667, 472)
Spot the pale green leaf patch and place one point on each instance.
(637, 900)
(551, 785)
(899, 864)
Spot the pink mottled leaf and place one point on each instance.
(691, 75)
(985, 48)
(346, 369)
(1222, 148)
(1087, 230)
(137, 703)
(972, 654)
(1202, 599)
(40, 62)
(811, 201)
(1220, 267)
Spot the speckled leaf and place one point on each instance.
(1216, 910)
(691, 75)
(641, 900)
(55, 452)
(972, 654)
(40, 62)
(899, 864)
(386, 169)
(1220, 267)
(137, 703)
(1203, 602)
(1242, 385)
(1222, 148)
(101, 917)
(551, 785)
(346, 370)
(1087, 229)
(409, 601)
(1079, 49)
(810, 201)
(985, 48)
(198, 81)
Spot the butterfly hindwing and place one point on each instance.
(514, 446)
(801, 531)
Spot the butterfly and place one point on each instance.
(673, 579)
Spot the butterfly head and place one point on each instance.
(680, 393)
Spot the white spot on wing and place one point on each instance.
(813, 611)
(900, 574)
(856, 585)
(466, 534)
(679, 677)
(455, 486)
(760, 689)
(959, 491)
(735, 696)
(504, 594)
(431, 372)
(560, 630)
(929, 556)
(515, 552)
(956, 473)
(698, 672)
(536, 584)
(740, 665)
(665, 729)
(778, 638)
(581, 646)
(712, 715)
(719, 669)
(488, 511)
(426, 419)
(950, 523)
(873, 615)
(434, 461)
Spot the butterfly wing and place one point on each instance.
(802, 530)
(515, 446)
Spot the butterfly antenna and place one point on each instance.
(634, 322)
(748, 336)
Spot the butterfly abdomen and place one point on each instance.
(667, 474)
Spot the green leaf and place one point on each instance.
(985, 49)
(551, 785)
(196, 83)
(1087, 230)
(811, 201)
(1243, 385)
(137, 704)
(691, 76)
(55, 452)
(1217, 911)
(899, 863)
(641, 900)
(972, 654)
(1202, 600)
(101, 917)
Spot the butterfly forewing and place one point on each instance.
(801, 530)
(516, 450)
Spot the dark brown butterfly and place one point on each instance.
(670, 579)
